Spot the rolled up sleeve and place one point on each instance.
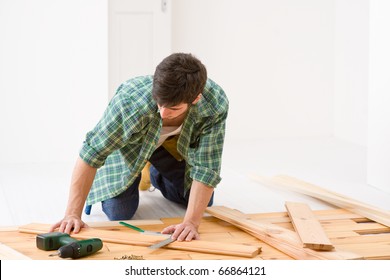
(206, 159)
(110, 134)
(205, 175)
(91, 156)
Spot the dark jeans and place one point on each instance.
(166, 174)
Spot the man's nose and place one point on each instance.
(164, 112)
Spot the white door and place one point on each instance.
(139, 38)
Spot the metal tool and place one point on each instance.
(79, 249)
(162, 243)
(148, 232)
(66, 246)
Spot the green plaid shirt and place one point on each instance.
(127, 134)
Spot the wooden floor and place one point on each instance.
(347, 231)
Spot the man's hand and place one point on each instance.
(68, 224)
(182, 232)
(82, 179)
(200, 195)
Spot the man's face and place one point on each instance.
(169, 113)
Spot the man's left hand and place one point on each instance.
(185, 231)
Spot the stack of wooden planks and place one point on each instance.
(298, 233)
(136, 239)
(348, 232)
(286, 240)
(293, 184)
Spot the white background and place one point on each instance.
(298, 68)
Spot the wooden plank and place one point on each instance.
(371, 251)
(7, 253)
(322, 215)
(296, 185)
(138, 223)
(128, 252)
(359, 239)
(347, 231)
(25, 244)
(282, 239)
(308, 227)
(11, 228)
(368, 228)
(126, 237)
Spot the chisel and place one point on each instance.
(162, 243)
(148, 232)
(154, 246)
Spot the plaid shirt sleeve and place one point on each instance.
(206, 159)
(203, 144)
(110, 134)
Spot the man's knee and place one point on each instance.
(124, 205)
(122, 215)
(116, 209)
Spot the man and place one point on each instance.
(174, 119)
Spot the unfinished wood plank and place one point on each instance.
(359, 239)
(308, 227)
(365, 228)
(126, 237)
(340, 226)
(322, 215)
(11, 228)
(341, 234)
(7, 253)
(371, 251)
(296, 185)
(107, 224)
(282, 239)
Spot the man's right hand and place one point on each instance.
(68, 224)
(82, 178)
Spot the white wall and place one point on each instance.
(275, 60)
(351, 47)
(290, 68)
(53, 76)
(378, 148)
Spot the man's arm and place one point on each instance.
(82, 179)
(200, 195)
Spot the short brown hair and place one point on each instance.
(179, 78)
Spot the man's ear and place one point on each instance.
(197, 99)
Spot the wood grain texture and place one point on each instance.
(347, 231)
(282, 239)
(308, 227)
(8, 253)
(297, 185)
(147, 240)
